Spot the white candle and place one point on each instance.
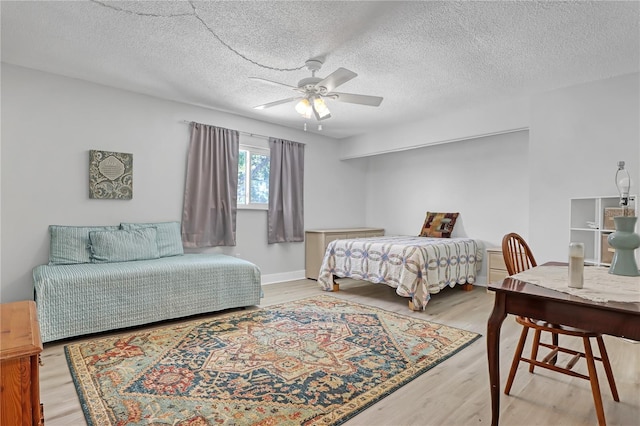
(576, 265)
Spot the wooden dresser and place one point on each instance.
(317, 240)
(20, 348)
(496, 269)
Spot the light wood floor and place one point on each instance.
(456, 392)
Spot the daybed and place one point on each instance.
(415, 266)
(105, 278)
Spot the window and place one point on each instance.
(253, 177)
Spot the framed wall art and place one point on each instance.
(110, 175)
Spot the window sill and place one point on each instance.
(264, 207)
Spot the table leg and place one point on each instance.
(493, 353)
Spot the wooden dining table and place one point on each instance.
(521, 298)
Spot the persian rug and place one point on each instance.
(317, 361)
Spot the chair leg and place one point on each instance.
(555, 342)
(534, 348)
(607, 368)
(516, 359)
(593, 379)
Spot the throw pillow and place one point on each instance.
(169, 236)
(69, 245)
(438, 225)
(123, 245)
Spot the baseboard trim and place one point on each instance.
(283, 276)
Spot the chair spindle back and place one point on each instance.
(517, 255)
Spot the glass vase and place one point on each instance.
(625, 241)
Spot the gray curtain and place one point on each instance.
(286, 182)
(210, 193)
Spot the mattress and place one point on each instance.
(86, 298)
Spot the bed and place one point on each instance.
(415, 266)
(103, 278)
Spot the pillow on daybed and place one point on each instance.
(169, 237)
(123, 245)
(70, 244)
(438, 225)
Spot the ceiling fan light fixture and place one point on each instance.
(321, 108)
(313, 92)
(304, 108)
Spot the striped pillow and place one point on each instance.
(169, 236)
(123, 246)
(70, 244)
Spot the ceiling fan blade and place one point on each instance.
(275, 83)
(355, 99)
(281, 101)
(336, 78)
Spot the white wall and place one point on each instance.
(578, 135)
(469, 123)
(519, 181)
(49, 123)
(486, 180)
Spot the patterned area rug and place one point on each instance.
(317, 361)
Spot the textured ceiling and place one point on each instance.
(424, 58)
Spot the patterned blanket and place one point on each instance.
(415, 266)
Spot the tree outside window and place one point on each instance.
(253, 177)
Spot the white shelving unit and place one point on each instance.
(591, 209)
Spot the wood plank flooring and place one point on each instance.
(455, 392)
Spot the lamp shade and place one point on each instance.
(304, 108)
(321, 109)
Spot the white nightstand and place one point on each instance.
(496, 269)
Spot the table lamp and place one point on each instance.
(624, 240)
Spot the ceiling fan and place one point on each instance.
(314, 90)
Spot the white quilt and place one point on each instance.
(415, 266)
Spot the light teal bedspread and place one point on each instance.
(73, 300)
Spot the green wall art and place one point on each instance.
(110, 175)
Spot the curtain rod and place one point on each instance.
(239, 131)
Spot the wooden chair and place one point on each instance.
(518, 257)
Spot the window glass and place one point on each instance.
(242, 177)
(253, 175)
(259, 179)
